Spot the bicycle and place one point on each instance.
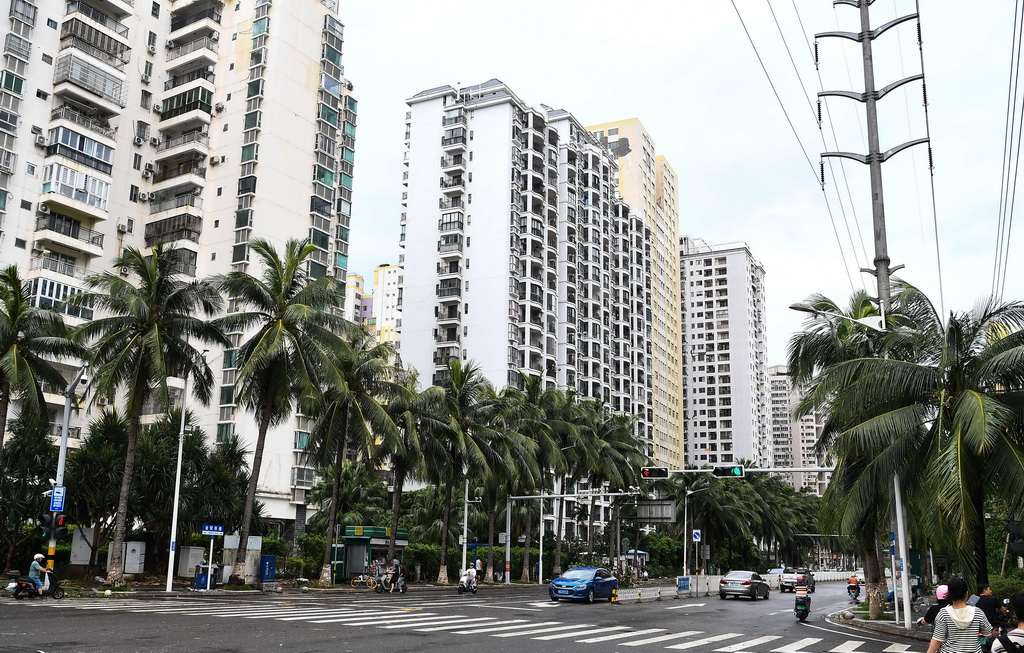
(363, 580)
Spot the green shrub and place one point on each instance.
(1004, 587)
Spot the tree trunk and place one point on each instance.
(238, 575)
(10, 554)
(442, 573)
(874, 580)
(980, 550)
(115, 572)
(332, 514)
(492, 515)
(525, 576)
(5, 403)
(396, 506)
(557, 563)
(590, 530)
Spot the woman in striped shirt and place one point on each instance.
(959, 627)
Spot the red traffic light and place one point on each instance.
(654, 472)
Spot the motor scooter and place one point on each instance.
(467, 582)
(21, 588)
(802, 607)
(853, 590)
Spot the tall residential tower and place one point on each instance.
(725, 384)
(201, 124)
(648, 185)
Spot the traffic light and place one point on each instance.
(60, 527)
(46, 523)
(1016, 542)
(654, 472)
(736, 471)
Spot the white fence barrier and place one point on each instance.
(708, 585)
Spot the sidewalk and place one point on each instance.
(179, 591)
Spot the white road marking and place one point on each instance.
(329, 613)
(479, 631)
(434, 621)
(663, 638)
(608, 638)
(395, 619)
(464, 622)
(594, 631)
(363, 615)
(897, 648)
(796, 646)
(735, 648)
(687, 605)
(849, 646)
(705, 640)
(549, 604)
(506, 607)
(541, 631)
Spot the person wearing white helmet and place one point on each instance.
(35, 571)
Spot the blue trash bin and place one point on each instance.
(268, 569)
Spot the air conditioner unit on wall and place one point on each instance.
(151, 49)
(146, 78)
(155, 141)
(157, 108)
(144, 196)
(215, 36)
(219, 106)
(140, 140)
(44, 209)
(169, 45)
(40, 140)
(146, 174)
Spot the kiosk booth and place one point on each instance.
(361, 545)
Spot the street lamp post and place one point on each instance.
(62, 457)
(177, 493)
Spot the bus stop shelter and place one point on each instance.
(361, 545)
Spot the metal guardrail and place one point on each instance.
(701, 585)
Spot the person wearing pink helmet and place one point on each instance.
(942, 598)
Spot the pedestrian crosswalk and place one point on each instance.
(425, 617)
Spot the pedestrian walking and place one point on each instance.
(959, 628)
(1007, 641)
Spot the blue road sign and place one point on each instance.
(683, 583)
(696, 535)
(210, 529)
(57, 498)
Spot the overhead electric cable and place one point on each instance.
(1011, 120)
(771, 83)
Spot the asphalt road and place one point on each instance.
(493, 621)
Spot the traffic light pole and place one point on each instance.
(69, 393)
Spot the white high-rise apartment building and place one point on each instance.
(725, 383)
(387, 302)
(130, 122)
(794, 440)
(518, 255)
(648, 185)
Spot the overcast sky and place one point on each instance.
(686, 69)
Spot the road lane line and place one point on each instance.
(363, 616)
(664, 638)
(480, 631)
(608, 638)
(434, 621)
(541, 631)
(735, 648)
(329, 613)
(897, 648)
(464, 622)
(706, 640)
(392, 619)
(594, 631)
(797, 645)
(849, 646)
(508, 607)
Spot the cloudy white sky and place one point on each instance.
(686, 69)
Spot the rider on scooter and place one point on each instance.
(35, 572)
(853, 587)
(802, 595)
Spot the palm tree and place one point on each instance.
(145, 337)
(350, 412)
(414, 414)
(29, 460)
(472, 438)
(359, 496)
(856, 493)
(288, 354)
(947, 418)
(30, 339)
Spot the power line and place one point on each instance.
(999, 264)
(846, 265)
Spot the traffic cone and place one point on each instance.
(615, 596)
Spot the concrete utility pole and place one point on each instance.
(874, 160)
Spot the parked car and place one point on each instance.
(586, 583)
(743, 583)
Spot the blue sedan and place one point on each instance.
(586, 583)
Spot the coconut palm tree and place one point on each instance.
(290, 350)
(947, 418)
(146, 334)
(350, 411)
(31, 338)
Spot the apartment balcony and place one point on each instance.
(454, 120)
(56, 430)
(442, 361)
(68, 234)
(198, 53)
(78, 80)
(184, 226)
(61, 150)
(55, 265)
(453, 185)
(17, 47)
(188, 23)
(96, 18)
(73, 202)
(77, 118)
(118, 8)
(455, 203)
(453, 144)
(192, 145)
(175, 203)
(446, 316)
(449, 250)
(445, 226)
(449, 337)
(453, 163)
(196, 75)
(187, 173)
(449, 294)
(449, 271)
(194, 115)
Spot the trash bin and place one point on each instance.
(202, 576)
(268, 569)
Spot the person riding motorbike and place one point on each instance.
(470, 576)
(853, 587)
(397, 575)
(36, 570)
(802, 595)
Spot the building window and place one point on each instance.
(148, 69)
(156, 10)
(51, 23)
(250, 152)
(133, 194)
(151, 39)
(47, 59)
(13, 83)
(147, 100)
(137, 161)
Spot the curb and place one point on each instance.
(335, 591)
(884, 627)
